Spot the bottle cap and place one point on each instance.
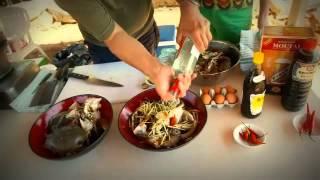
(309, 45)
(258, 58)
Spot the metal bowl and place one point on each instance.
(229, 50)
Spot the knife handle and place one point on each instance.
(174, 88)
(78, 76)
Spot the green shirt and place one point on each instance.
(227, 18)
(96, 18)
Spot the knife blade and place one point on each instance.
(185, 62)
(44, 93)
(94, 80)
(41, 82)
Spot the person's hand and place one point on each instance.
(161, 75)
(194, 25)
(165, 77)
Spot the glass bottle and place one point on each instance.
(254, 89)
(296, 90)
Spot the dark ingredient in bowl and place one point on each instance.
(212, 62)
(68, 131)
(66, 139)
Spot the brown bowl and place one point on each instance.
(229, 50)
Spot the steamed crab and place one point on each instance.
(68, 131)
(212, 62)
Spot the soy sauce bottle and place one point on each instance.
(254, 89)
(296, 90)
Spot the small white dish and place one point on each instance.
(300, 118)
(255, 128)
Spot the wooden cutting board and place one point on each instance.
(117, 72)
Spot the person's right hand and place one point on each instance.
(194, 25)
(164, 78)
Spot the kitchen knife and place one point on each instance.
(94, 80)
(44, 93)
(41, 82)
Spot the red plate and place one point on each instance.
(37, 134)
(191, 100)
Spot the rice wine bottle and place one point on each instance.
(254, 89)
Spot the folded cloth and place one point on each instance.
(249, 43)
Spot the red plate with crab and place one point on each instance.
(59, 135)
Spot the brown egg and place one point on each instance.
(206, 99)
(219, 99)
(205, 90)
(230, 89)
(217, 89)
(231, 98)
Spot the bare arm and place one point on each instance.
(95, 20)
(263, 13)
(132, 52)
(193, 24)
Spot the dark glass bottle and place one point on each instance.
(254, 89)
(296, 90)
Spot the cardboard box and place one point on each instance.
(279, 45)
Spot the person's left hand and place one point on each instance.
(194, 25)
(164, 78)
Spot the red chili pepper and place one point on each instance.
(249, 129)
(255, 140)
(241, 135)
(174, 88)
(244, 135)
(252, 132)
(251, 136)
(173, 121)
(308, 124)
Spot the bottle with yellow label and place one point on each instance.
(254, 89)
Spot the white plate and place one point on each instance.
(300, 118)
(243, 143)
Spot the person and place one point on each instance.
(125, 30)
(229, 17)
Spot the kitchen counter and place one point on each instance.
(211, 155)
